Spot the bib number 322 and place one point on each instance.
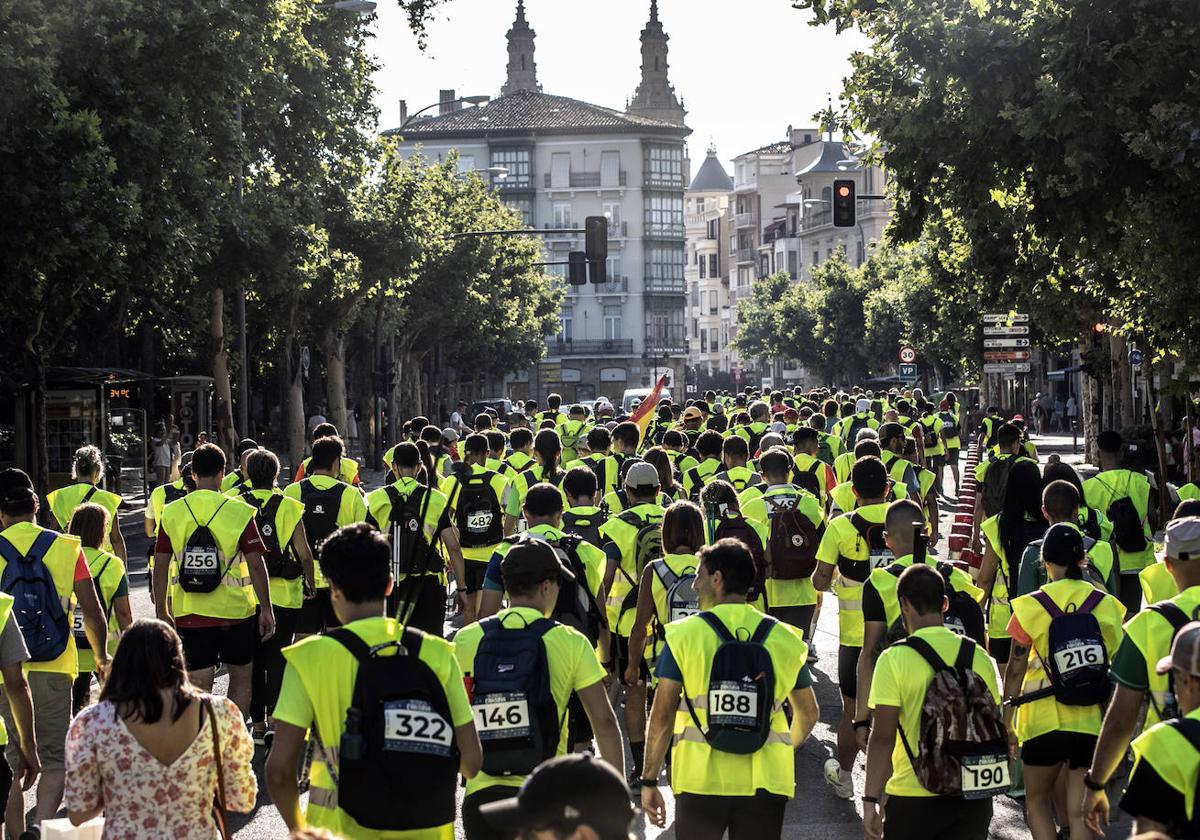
(415, 726)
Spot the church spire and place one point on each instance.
(522, 70)
(654, 96)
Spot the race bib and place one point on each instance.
(984, 775)
(200, 561)
(501, 716)
(733, 704)
(880, 558)
(479, 521)
(954, 624)
(416, 727)
(1078, 654)
(77, 622)
(682, 610)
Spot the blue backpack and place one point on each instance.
(37, 608)
(515, 712)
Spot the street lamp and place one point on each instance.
(477, 100)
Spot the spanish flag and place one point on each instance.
(645, 412)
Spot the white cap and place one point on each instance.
(1183, 538)
(862, 405)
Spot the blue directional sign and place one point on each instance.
(908, 372)
(1135, 358)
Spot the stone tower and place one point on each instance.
(522, 71)
(654, 96)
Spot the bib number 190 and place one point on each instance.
(984, 775)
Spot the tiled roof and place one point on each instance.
(527, 111)
(780, 148)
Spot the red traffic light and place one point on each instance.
(843, 191)
(1099, 329)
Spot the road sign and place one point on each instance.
(1006, 318)
(1005, 342)
(1135, 358)
(908, 355)
(908, 371)
(1007, 367)
(992, 330)
(1006, 356)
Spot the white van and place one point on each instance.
(633, 395)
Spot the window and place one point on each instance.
(712, 302)
(610, 169)
(816, 258)
(560, 170)
(703, 263)
(699, 205)
(695, 328)
(612, 322)
(612, 268)
(524, 206)
(695, 295)
(704, 341)
(664, 166)
(792, 258)
(665, 329)
(664, 267)
(466, 163)
(517, 162)
(713, 343)
(712, 265)
(714, 228)
(562, 214)
(566, 320)
(612, 212)
(664, 214)
(764, 265)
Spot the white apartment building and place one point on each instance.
(709, 315)
(566, 160)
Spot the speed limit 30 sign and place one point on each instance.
(908, 355)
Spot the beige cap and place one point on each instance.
(1183, 538)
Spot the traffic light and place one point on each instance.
(844, 203)
(1098, 329)
(596, 239)
(577, 268)
(597, 271)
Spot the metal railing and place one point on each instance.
(744, 220)
(589, 347)
(582, 180)
(664, 286)
(615, 285)
(745, 255)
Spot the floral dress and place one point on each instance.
(144, 798)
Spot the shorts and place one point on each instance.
(230, 644)
(316, 614)
(999, 649)
(474, 571)
(429, 612)
(51, 694)
(848, 670)
(951, 456)
(620, 656)
(798, 617)
(1075, 748)
(936, 818)
(579, 727)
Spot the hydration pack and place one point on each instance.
(202, 564)
(399, 734)
(37, 607)
(879, 556)
(514, 709)
(741, 690)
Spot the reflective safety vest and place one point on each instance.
(898, 472)
(233, 598)
(1157, 583)
(698, 768)
(852, 549)
(885, 582)
(1188, 492)
(999, 610)
(327, 672)
(1173, 758)
(625, 536)
(65, 500)
(60, 560)
(107, 573)
(1102, 489)
(1151, 633)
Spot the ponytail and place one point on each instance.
(1074, 572)
(427, 474)
(548, 447)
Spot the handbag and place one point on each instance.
(219, 798)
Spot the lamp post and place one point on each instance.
(477, 100)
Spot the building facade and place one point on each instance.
(706, 219)
(565, 160)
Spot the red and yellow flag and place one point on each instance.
(645, 412)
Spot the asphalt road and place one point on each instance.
(814, 812)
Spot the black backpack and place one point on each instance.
(807, 479)
(411, 551)
(586, 526)
(1091, 525)
(1173, 613)
(879, 556)
(36, 606)
(477, 514)
(754, 439)
(1128, 533)
(399, 734)
(995, 480)
(202, 564)
(792, 540)
(575, 606)
(963, 614)
(741, 690)
(724, 524)
(850, 429)
(515, 712)
(280, 559)
(1076, 663)
(320, 510)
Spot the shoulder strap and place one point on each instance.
(1189, 728)
(763, 630)
(1047, 604)
(665, 575)
(925, 650)
(88, 495)
(966, 656)
(1172, 612)
(350, 640)
(8, 551)
(271, 507)
(1092, 601)
(717, 626)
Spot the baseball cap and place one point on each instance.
(692, 413)
(862, 405)
(532, 558)
(1183, 538)
(572, 789)
(642, 474)
(1062, 545)
(1185, 651)
(449, 435)
(16, 486)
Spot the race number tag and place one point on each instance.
(880, 558)
(733, 704)
(683, 609)
(954, 624)
(1078, 654)
(984, 775)
(77, 623)
(416, 727)
(200, 561)
(501, 716)
(479, 521)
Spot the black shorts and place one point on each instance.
(999, 649)
(317, 614)
(620, 656)
(936, 818)
(798, 617)
(229, 644)
(848, 670)
(579, 728)
(951, 456)
(474, 571)
(1075, 748)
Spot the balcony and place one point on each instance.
(618, 230)
(816, 218)
(589, 347)
(663, 230)
(583, 181)
(549, 225)
(664, 286)
(745, 220)
(672, 345)
(615, 285)
(745, 255)
(664, 180)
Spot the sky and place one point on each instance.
(746, 70)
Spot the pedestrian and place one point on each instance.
(546, 467)
(87, 468)
(45, 623)
(733, 762)
(237, 480)
(348, 469)
(213, 545)
(161, 447)
(352, 428)
(356, 701)
(572, 797)
(1059, 414)
(1072, 411)
(155, 752)
(456, 417)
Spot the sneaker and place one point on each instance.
(258, 733)
(840, 780)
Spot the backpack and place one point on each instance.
(281, 560)
(320, 510)
(949, 425)
(736, 527)
(399, 733)
(515, 712)
(792, 542)
(586, 526)
(682, 600)
(995, 480)
(929, 433)
(411, 551)
(647, 545)
(1077, 660)
(477, 512)
(1090, 573)
(173, 493)
(807, 479)
(963, 615)
(879, 556)
(36, 605)
(961, 736)
(1127, 534)
(1173, 613)
(575, 607)
(741, 690)
(849, 430)
(739, 484)
(825, 449)
(753, 439)
(1091, 525)
(202, 563)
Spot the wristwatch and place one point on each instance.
(862, 724)
(650, 783)
(1092, 784)
(874, 800)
